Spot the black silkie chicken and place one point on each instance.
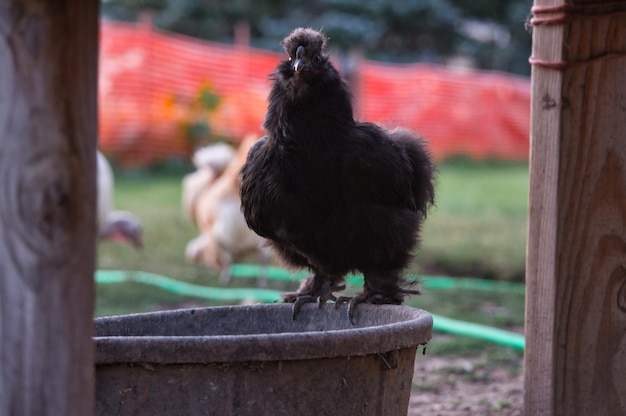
(332, 194)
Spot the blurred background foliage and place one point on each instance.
(484, 34)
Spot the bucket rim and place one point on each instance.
(407, 328)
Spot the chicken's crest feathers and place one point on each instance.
(310, 39)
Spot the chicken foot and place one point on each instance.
(380, 288)
(314, 289)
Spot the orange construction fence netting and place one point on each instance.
(150, 81)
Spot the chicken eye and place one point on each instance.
(317, 58)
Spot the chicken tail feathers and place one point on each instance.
(423, 170)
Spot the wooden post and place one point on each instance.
(48, 131)
(575, 358)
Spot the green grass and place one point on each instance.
(477, 229)
(156, 200)
(478, 226)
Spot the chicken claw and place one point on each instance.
(352, 302)
(301, 300)
(321, 296)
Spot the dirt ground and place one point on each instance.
(465, 386)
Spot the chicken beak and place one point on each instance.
(299, 64)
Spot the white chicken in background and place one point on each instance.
(121, 226)
(224, 235)
(215, 156)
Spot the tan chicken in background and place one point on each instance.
(215, 206)
(210, 161)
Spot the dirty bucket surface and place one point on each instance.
(256, 360)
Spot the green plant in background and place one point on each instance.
(197, 113)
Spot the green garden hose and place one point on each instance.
(440, 323)
(484, 332)
(428, 282)
(184, 288)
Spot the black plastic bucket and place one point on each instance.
(257, 360)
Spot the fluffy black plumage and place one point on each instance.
(332, 194)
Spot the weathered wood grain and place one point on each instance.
(542, 227)
(575, 360)
(48, 130)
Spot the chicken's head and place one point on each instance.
(307, 51)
